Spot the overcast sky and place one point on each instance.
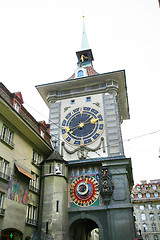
(38, 41)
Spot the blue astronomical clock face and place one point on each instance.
(82, 126)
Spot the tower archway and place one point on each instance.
(85, 229)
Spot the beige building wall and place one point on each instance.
(22, 150)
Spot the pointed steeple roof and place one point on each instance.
(85, 58)
(84, 43)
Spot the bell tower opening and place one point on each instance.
(84, 229)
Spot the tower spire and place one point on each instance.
(84, 43)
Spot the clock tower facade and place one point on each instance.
(86, 113)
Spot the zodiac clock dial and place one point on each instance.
(84, 191)
(82, 126)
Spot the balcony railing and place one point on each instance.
(9, 143)
(4, 176)
(32, 188)
(31, 221)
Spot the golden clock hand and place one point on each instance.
(66, 128)
(93, 120)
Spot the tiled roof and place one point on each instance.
(90, 72)
(8, 97)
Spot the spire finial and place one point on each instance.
(84, 43)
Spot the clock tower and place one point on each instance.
(86, 113)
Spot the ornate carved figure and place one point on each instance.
(106, 185)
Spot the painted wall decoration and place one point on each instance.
(17, 191)
(84, 188)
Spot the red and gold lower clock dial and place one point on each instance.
(84, 191)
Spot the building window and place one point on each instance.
(72, 101)
(154, 187)
(143, 216)
(141, 207)
(4, 133)
(154, 228)
(158, 206)
(16, 107)
(151, 215)
(4, 169)
(138, 188)
(34, 184)
(58, 169)
(150, 207)
(145, 227)
(156, 194)
(88, 99)
(7, 136)
(139, 195)
(159, 216)
(1, 203)
(31, 217)
(36, 158)
(156, 237)
(10, 137)
(80, 73)
(42, 133)
(148, 195)
(57, 206)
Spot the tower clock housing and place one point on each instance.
(86, 113)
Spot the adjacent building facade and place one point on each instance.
(146, 202)
(24, 143)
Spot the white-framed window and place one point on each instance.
(156, 194)
(7, 135)
(143, 216)
(31, 215)
(145, 229)
(16, 106)
(34, 213)
(4, 133)
(10, 137)
(138, 188)
(154, 187)
(141, 207)
(150, 207)
(139, 195)
(80, 73)
(158, 206)
(36, 158)
(29, 210)
(154, 228)
(34, 183)
(4, 168)
(1, 200)
(42, 133)
(151, 215)
(148, 195)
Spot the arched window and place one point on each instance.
(144, 227)
(80, 73)
(156, 237)
(154, 228)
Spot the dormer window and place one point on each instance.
(16, 107)
(42, 133)
(80, 73)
